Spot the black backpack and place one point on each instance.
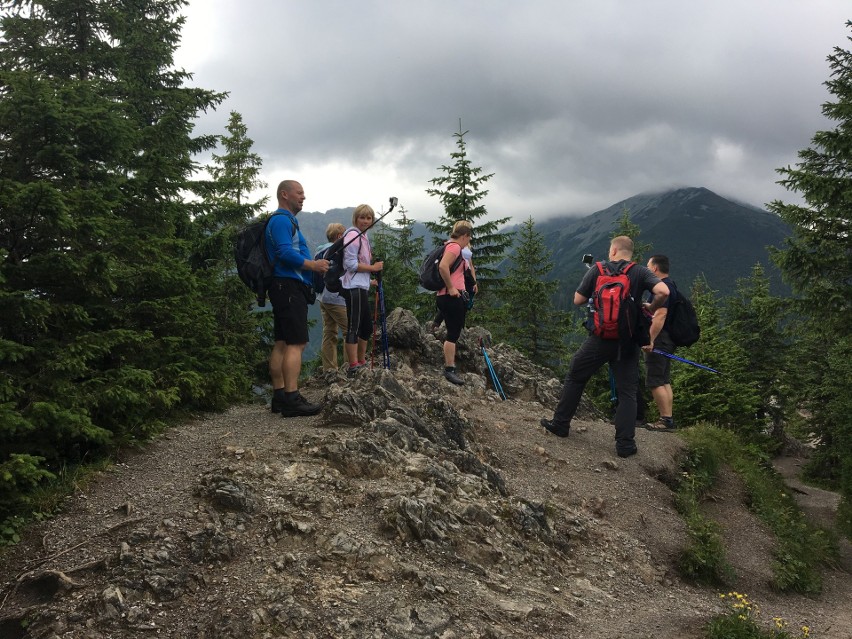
(430, 277)
(334, 255)
(319, 278)
(253, 265)
(682, 321)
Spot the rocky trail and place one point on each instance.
(408, 508)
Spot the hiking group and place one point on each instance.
(343, 271)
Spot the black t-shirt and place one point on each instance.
(640, 277)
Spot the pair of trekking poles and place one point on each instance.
(379, 319)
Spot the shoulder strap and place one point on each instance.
(292, 219)
(458, 260)
(607, 268)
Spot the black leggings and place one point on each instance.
(358, 313)
(454, 310)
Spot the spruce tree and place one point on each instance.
(817, 263)
(102, 333)
(729, 399)
(528, 318)
(224, 209)
(461, 190)
(754, 323)
(625, 226)
(401, 252)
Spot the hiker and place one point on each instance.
(623, 357)
(452, 299)
(658, 378)
(470, 286)
(332, 310)
(355, 282)
(289, 293)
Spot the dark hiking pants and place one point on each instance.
(624, 360)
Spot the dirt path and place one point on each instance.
(242, 524)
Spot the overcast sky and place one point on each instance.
(573, 105)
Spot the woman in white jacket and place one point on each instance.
(356, 281)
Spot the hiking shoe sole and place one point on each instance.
(659, 427)
(301, 410)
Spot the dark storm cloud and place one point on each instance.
(573, 105)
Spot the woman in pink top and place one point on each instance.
(450, 299)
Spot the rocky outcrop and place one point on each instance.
(366, 525)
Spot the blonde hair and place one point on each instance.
(362, 209)
(334, 230)
(461, 228)
(622, 244)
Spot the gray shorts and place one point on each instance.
(658, 368)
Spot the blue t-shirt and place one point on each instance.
(286, 247)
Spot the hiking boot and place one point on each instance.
(559, 431)
(300, 407)
(277, 405)
(453, 377)
(627, 453)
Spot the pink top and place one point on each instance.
(457, 276)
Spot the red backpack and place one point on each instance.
(614, 311)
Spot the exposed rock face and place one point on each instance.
(386, 515)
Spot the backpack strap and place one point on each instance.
(459, 259)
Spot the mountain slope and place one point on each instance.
(700, 231)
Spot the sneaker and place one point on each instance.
(559, 431)
(453, 377)
(300, 408)
(354, 369)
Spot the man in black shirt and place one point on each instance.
(596, 351)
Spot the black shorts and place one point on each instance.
(658, 368)
(358, 312)
(289, 310)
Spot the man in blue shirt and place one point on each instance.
(291, 287)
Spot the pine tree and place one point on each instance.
(528, 318)
(817, 263)
(460, 191)
(754, 323)
(401, 253)
(728, 399)
(224, 208)
(627, 227)
(102, 333)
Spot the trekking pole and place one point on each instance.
(685, 361)
(383, 317)
(496, 382)
(375, 322)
